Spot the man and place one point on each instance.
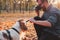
(48, 26)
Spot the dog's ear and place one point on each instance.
(5, 35)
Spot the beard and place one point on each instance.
(43, 8)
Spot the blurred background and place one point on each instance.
(12, 10)
(21, 5)
(17, 5)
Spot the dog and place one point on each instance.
(14, 32)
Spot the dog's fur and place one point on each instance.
(14, 35)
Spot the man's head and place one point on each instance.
(43, 4)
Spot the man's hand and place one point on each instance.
(32, 20)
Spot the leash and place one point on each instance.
(9, 34)
(16, 30)
(10, 38)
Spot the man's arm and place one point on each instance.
(43, 23)
(50, 22)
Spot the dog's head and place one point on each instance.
(22, 25)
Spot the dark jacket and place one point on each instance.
(52, 15)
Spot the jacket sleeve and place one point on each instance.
(52, 19)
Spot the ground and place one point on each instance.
(8, 19)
